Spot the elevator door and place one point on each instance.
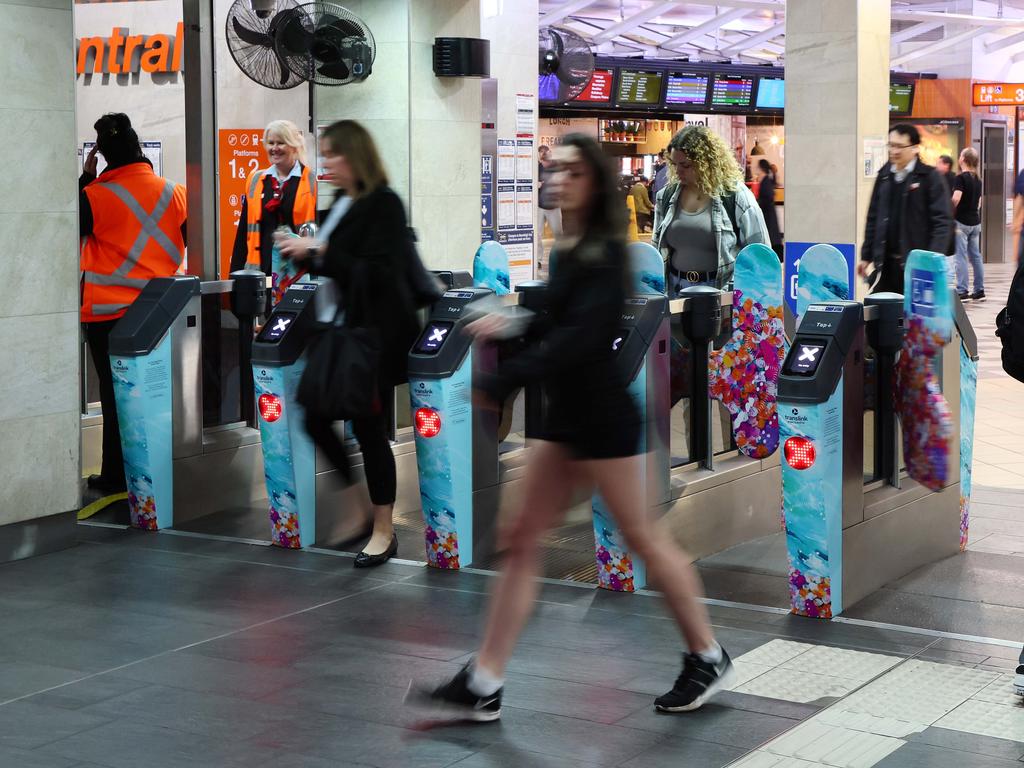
(993, 177)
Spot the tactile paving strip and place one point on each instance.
(761, 759)
(746, 672)
(797, 686)
(841, 662)
(918, 692)
(1000, 691)
(775, 653)
(986, 718)
(839, 747)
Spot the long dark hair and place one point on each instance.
(117, 140)
(605, 217)
(766, 167)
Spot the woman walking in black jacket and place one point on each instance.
(766, 202)
(366, 252)
(592, 440)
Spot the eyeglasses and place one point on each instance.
(900, 146)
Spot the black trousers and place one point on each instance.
(97, 336)
(891, 278)
(372, 434)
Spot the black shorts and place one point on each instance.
(607, 430)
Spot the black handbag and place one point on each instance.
(340, 380)
(424, 287)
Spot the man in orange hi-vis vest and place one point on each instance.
(132, 224)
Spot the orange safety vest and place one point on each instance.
(136, 236)
(303, 210)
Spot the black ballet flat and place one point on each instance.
(364, 560)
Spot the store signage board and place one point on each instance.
(998, 94)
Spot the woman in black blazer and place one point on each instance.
(367, 254)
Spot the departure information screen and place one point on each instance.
(636, 87)
(599, 89)
(771, 93)
(688, 88)
(803, 358)
(731, 91)
(434, 337)
(276, 326)
(901, 98)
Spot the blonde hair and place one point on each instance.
(351, 139)
(717, 171)
(969, 157)
(290, 134)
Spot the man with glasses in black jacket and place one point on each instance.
(910, 208)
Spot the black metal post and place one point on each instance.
(701, 319)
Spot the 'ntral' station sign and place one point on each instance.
(123, 53)
(998, 94)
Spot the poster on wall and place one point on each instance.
(153, 150)
(939, 136)
(506, 161)
(240, 152)
(524, 161)
(506, 195)
(875, 155)
(519, 246)
(524, 206)
(526, 115)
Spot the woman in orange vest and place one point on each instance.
(282, 195)
(132, 225)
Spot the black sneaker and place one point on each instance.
(978, 295)
(962, 296)
(453, 700)
(698, 682)
(1018, 682)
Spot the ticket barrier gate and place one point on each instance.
(714, 501)
(849, 532)
(456, 444)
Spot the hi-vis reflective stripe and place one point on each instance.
(98, 278)
(150, 226)
(252, 227)
(108, 309)
(256, 177)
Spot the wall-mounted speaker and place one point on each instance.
(462, 57)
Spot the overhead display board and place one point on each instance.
(686, 89)
(771, 93)
(901, 98)
(998, 94)
(731, 90)
(599, 88)
(640, 87)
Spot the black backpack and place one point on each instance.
(1010, 328)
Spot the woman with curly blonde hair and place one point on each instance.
(705, 215)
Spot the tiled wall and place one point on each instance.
(39, 353)
(445, 138)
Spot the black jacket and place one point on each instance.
(766, 202)
(569, 347)
(368, 256)
(926, 220)
(268, 223)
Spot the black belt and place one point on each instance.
(693, 276)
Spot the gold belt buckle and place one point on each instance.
(693, 276)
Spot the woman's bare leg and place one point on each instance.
(547, 493)
(620, 483)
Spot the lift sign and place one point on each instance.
(998, 94)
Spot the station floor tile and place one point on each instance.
(149, 650)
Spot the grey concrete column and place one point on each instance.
(837, 86)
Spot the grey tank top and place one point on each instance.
(692, 240)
